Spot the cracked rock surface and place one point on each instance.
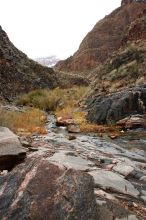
(84, 178)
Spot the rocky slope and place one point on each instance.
(115, 50)
(119, 84)
(19, 74)
(105, 38)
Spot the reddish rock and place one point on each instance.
(39, 190)
(105, 38)
(113, 136)
(135, 122)
(132, 122)
(123, 122)
(64, 121)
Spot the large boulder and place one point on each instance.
(11, 150)
(41, 190)
(113, 107)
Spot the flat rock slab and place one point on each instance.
(39, 190)
(11, 150)
(70, 160)
(109, 180)
(123, 169)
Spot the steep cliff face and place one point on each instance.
(105, 38)
(119, 85)
(18, 73)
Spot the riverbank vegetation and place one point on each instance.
(65, 103)
(27, 121)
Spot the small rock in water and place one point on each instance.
(64, 121)
(73, 129)
(113, 136)
(71, 137)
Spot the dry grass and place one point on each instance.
(100, 129)
(64, 103)
(85, 126)
(50, 100)
(29, 121)
(66, 112)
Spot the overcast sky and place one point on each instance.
(51, 27)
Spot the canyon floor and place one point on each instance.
(73, 176)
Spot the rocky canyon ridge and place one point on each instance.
(106, 37)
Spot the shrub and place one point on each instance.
(64, 103)
(50, 100)
(130, 54)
